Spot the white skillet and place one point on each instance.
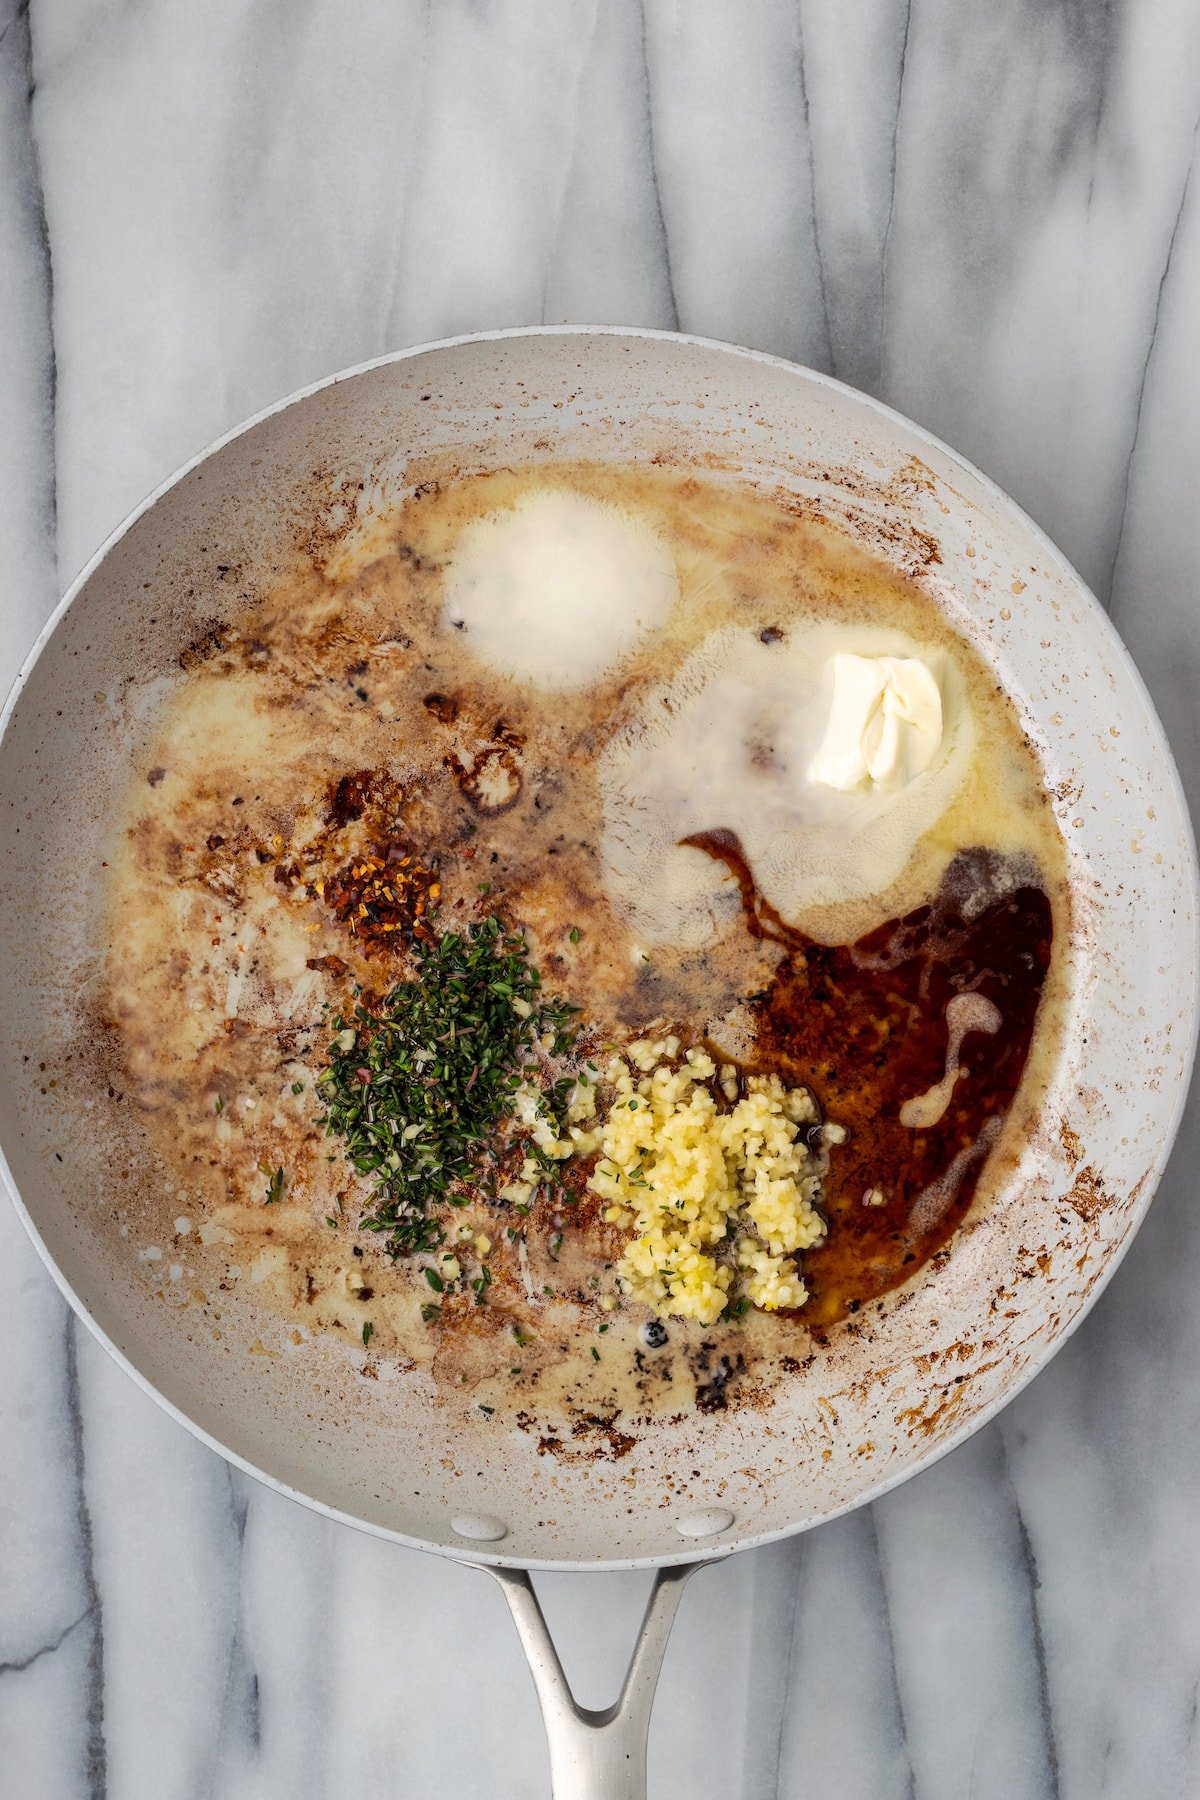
(933, 1365)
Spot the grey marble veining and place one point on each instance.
(986, 213)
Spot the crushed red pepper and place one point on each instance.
(376, 896)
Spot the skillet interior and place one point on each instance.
(307, 481)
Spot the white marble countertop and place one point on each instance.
(986, 213)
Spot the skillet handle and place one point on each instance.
(596, 1755)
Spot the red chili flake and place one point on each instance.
(379, 895)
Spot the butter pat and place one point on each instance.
(884, 726)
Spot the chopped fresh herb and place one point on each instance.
(574, 934)
(297, 1087)
(486, 1409)
(435, 1281)
(430, 1311)
(274, 1184)
(595, 1354)
(416, 1085)
(220, 1104)
(556, 1244)
(522, 1337)
(368, 1332)
(331, 1221)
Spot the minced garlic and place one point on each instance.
(690, 1177)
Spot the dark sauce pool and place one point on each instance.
(865, 1026)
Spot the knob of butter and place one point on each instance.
(884, 726)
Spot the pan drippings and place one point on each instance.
(342, 779)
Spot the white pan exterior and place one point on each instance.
(936, 1363)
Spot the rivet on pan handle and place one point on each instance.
(596, 1755)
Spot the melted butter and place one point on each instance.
(558, 587)
(220, 970)
(964, 1013)
(732, 737)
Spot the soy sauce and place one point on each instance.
(864, 1026)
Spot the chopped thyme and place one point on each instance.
(297, 1087)
(220, 1104)
(595, 1354)
(368, 1332)
(416, 1085)
(274, 1184)
(574, 934)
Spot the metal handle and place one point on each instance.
(596, 1755)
